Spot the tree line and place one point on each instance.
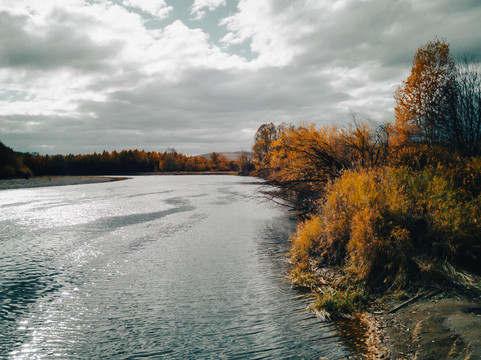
(14, 164)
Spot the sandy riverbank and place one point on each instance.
(434, 327)
(43, 181)
(438, 321)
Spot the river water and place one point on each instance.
(174, 267)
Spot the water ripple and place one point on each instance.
(154, 267)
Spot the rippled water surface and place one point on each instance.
(152, 267)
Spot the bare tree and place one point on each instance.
(440, 102)
(464, 130)
(368, 141)
(244, 160)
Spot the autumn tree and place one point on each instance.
(11, 164)
(424, 102)
(265, 135)
(214, 158)
(304, 159)
(169, 161)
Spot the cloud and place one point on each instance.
(363, 47)
(200, 7)
(157, 8)
(37, 46)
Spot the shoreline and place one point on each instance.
(435, 321)
(437, 326)
(48, 181)
(64, 180)
(163, 173)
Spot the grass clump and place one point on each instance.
(303, 276)
(340, 302)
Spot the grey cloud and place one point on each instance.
(73, 136)
(206, 111)
(212, 93)
(390, 31)
(61, 46)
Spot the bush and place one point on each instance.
(375, 223)
(366, 226)
(306, 239)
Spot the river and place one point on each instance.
(174, 267)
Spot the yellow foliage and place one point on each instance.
(424, 98)
(307, 237)
(373, 222)
(364, 243)
(303, 159)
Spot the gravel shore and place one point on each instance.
(43, 181)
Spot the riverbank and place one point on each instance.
(434, 321)
(440, 326)
(44, 181)
(391, 234)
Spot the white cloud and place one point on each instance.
(273, 28)
(157, 8)
(200, 7)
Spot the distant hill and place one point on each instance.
(231, 156)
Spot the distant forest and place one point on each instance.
(14, 164)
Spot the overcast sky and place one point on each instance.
(78, 76)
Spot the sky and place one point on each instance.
(83, 76)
